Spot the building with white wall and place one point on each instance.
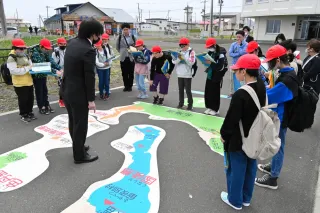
(165, 24)
(296, 19)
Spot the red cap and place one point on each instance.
(156, 49)
(184, 41)
(105, 36)
(252, 46)
(46, 44)
(139, 43)
(98, 44)
(275, 51)
(62, 41)
(210, 42)
(248, 61)
(18, 43)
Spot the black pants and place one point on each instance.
(25, 99)
(185, 84)
(127, 68)
(40, 85)
(78, 127)
(212, 95)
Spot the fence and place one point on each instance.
(5, 51)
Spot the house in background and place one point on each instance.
(165, 24)
(296, 19)
(17, 22)
(230, 21)
(68, 18)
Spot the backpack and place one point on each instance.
(225, 66)
(5, 72)
(263, 140)
(195, 65)
(57, 55)
(301, 114)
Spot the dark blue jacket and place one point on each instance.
(283, 94)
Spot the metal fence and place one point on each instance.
(4, 57)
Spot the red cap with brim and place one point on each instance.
(275, 51)
(156, 49)
(249, 61)
(252, 46)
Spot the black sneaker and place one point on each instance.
(129, 89)
(180, 106)
(125, 89)
(190, 108)
(266, 168)
(42, 111)
(155, 100)
(160, 101)
(25, 118)
(267, 182)
(101, 97)
(31, 116)
(50, 110)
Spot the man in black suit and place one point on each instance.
(78, 86)
(248, 37)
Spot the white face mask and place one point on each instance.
(279, 40)
(212, 49)
(246, 33)
(307, 50)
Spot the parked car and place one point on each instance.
(12, 31)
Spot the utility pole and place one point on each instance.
(3, 19)
(149, 14)
(211, 19)
(187, 9)
(138, 12)
(47, 11)
(204, 14)
(168, 17)
(141, 15)
(220, 4)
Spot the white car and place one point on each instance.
(12, 31)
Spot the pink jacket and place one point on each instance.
(142, 69)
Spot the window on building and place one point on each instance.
(160, 22)
(248, 1)
(273, 26)
(263, 1)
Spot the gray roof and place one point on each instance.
(119, 15)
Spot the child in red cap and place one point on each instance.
(58, 57)
(141, 68)
(240, 169)
(161, 69)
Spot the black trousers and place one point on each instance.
(25, 99)
(185, 84)
(212, 95)
(78, 127)
(127, 68)
(40, 85)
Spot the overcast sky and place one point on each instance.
(31, 9)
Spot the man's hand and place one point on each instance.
(167, 75)
(222, 140)
(92, 106)
(106, 64)
(150, 82)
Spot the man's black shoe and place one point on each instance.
(86, 148)
(129, 89)
(125, 89)
(87, 159)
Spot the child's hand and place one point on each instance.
(208, 62)
(150, 82)
(180, 57)
(266, 74)
(167, 75)
(106, 64)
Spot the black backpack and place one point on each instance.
(301, 114)
(225, 66)
(57, 55)
(5, 72)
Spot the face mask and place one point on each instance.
(62, 47)
(96, 41)
(279, 40)
(20, 54)
(212, 49)
(307, 50)
(244, 81)
(44, 50)
(246, 34)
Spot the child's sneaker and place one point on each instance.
(61, 104)
(212, 112)
(144, 96)
(207, 111)
(101, 97)
(224, 198)
(160, 101)
(31, 116)
(42, 111)
(267, 182)
(105, 97)
(180, 106)
(266, 168)
(50, 110)
(246, 204)
(25, 118)
(140, 95)
(155, 100)
(190, 108)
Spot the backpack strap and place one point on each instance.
(253, 95)
(14, 57)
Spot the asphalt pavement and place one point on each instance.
(191, 176)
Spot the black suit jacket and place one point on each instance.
(249, 38)
(78, 83)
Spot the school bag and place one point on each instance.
(263, 140)
(225, 66)
(5, 72)
(57, 53)
(301, 115)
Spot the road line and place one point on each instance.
(52, 102)
(202, 93)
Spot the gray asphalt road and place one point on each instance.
(186, 165)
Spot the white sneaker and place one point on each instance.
(212, 112)
(246, 204)
(224, 198)
(207, 111)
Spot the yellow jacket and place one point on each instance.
(19, 68)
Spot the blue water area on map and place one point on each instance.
(129, 195)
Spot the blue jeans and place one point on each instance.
(140, 82)
(277, 160)
(104, 81)
(241, 174)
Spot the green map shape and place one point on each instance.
(197, 102)
(10, 158)
(204, 122)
